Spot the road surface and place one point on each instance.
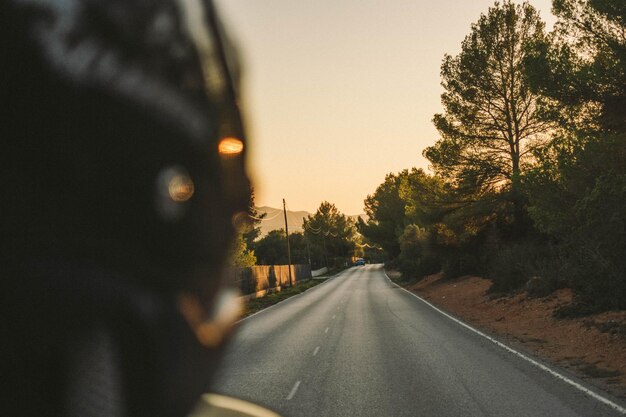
(357, 345)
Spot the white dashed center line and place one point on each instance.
(293, 390)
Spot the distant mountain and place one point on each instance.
(275, 219)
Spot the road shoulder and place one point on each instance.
(592, 347)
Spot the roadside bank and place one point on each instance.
(593, 347)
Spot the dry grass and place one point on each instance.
(258, 304)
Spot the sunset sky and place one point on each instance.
(336, 94)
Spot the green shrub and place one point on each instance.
(391, 264)
(461, 264)
(416, 256)
(510, 267)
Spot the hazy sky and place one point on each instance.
(336, 94)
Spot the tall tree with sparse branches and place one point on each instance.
(578, 188)
(491, 121)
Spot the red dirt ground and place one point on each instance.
(594, 347)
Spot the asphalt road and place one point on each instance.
(357, 345)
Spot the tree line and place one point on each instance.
(529, 178)
(329, 239)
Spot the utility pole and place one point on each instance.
(288, 247)
(324, 244)
(306, 239)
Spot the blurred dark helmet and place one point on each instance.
(122, 162)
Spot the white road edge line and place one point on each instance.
(293, 391)
(317, 349)
(552, 372)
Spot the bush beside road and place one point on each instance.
(257, 304)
